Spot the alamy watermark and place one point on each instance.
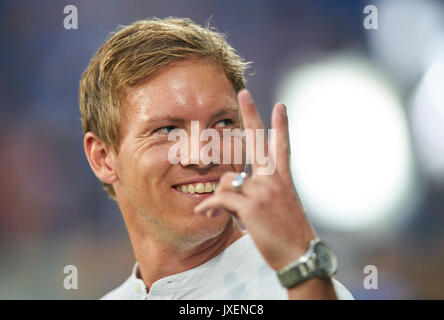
(187, 149)
(371, 19)
(70, 282)
(371, 280)
(71, 21)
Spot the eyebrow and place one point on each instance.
(163, 118)
(180, 120)
(224, 112)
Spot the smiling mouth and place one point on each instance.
(197, 190)
(198, 187)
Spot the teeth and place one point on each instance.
(200, 188)
(207, 187)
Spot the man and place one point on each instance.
(159, 75)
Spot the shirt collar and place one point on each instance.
(201, 275)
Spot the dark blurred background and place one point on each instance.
(367, 125)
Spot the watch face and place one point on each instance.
(327, 260)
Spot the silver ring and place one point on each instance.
(239, 181)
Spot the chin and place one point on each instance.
(205, 229)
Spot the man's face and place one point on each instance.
(149, 187)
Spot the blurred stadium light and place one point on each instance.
(427, 119)
(351, 156)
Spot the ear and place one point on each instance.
(100, 157)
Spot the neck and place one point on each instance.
(157, 260)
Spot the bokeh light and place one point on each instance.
(351, 155)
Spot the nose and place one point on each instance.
(204, 147)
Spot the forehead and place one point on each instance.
(187, 89)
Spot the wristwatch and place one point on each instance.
(318, 262)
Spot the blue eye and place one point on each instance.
(166, 129)
(225, 123)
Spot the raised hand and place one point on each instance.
(267, 205)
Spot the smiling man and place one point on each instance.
(159, 75)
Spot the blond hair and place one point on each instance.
(137, 51)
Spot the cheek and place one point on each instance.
(155, 164)
(146, 169)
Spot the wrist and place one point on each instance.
(319, 261)
(313, 289)
(292, 253)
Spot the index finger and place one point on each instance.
(252, 121)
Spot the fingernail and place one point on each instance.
(197, 210)
(214, 213)
(246, 96)
(210, 213)
(249, 98)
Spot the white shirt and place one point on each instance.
(238, 273)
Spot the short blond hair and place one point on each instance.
(137, 51)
